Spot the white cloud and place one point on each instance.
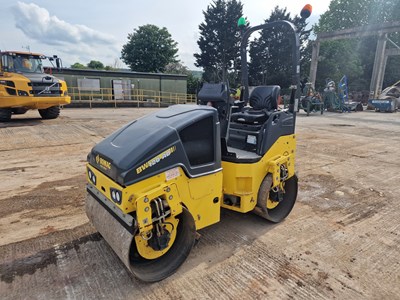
(65, 34)
(77, 42)
(37, 23)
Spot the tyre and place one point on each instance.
(5, 114)
(19, 110)
(305, 103)
(152, 270)
(269, 206)
(50, 113)
(308, 108)
(359, 107)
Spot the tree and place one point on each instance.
(78, 66)
(219, 40)
(355, 57)
(343, 14)
(149, 49)
(193, 83)
(94, 64)
(115, 65)
(338, 58)
(176, 68)
(271, 53)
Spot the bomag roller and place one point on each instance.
(156, 181)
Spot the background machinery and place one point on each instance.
(388, 100)
(24, 85)
(339, 102)
(156, 181)
(312, 101)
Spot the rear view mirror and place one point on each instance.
(58, 63)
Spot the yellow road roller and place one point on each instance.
(156, 181)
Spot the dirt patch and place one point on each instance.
(22, 169)
(342, 125)
(40, 260)
(47, 195)
(50, 207)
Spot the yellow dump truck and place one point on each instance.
(24, 85)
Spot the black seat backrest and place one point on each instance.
(213, 92)
(265, 97)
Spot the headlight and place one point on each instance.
(116, 195)
(22, 93)
(251, 139)
(7, 83)
(92, 177)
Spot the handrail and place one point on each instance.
(136, 96)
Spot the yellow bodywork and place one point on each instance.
(146, 251)
(202, 196)
(244, 179)
(21, 84)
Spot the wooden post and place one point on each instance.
(377, 72)
(314, 62)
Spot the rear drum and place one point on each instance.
(268, 205)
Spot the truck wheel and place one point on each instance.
(5, 114)
(19, 110)
(50, 113)
(269, 206)
(152, 270)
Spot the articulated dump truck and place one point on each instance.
(24, 85)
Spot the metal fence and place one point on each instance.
(136, 97)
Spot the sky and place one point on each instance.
(85, 30)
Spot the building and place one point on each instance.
(124, 86)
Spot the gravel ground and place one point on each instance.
(340, 241)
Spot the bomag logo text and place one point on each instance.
(155, 160)
(103, 163)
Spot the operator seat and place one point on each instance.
(249, 127)
(263, 101)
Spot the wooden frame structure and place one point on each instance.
(381, 54)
